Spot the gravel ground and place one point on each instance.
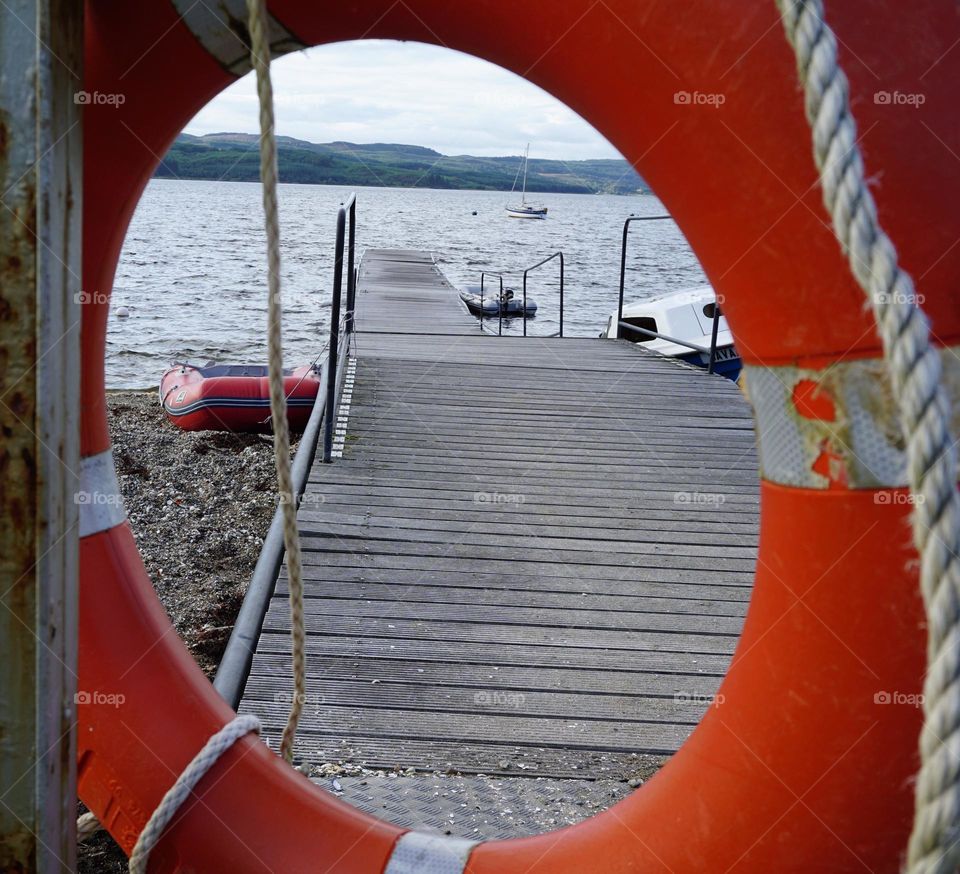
(199, 504)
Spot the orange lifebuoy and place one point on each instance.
(805, 766)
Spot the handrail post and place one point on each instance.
(331, 386)
(482, 277)
(561, 294)
(713, 338)
(525, 272)
(351, 272)
(623, 257)
(500, 308)
(623, 271)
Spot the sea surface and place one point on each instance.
(192, 276)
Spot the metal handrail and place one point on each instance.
(347, 209)
(526, 270)
(623, 252)
(237, 658)
(483, 275)
(622, 325)
(351, 269)
(627, 326)
(231, 676)
(534, 267)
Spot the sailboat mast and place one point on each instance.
(526, 155)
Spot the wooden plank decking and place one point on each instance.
(533, 558)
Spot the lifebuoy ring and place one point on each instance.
(804, 767)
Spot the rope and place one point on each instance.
(237, 728)
(87, 826)
(203, 761)
(924, 408)
(260, 54)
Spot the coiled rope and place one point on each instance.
(260, 55)
(914, 367)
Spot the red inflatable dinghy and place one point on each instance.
(234, 397)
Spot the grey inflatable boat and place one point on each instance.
(492, 302)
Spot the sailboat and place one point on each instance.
(525, 210)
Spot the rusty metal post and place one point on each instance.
(41, 52)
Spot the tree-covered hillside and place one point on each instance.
(234, 157)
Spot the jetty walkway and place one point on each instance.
(530, 561)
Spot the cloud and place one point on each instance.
(385, 91)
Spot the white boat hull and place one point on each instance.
(520, 212)
(684, 322)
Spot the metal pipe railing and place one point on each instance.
(534, 267)
(623, 253)
(713, 336)
(347, 209)
(500, 275)
(351, 268)
(483, 275)
(234, 667)
(710, 350)
(231, 677)
(655, 335)
(626, 326)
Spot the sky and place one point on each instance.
(378, 91)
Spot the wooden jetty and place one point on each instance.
(532, 559)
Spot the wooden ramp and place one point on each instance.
(533, 558)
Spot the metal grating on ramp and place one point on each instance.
(475, 807)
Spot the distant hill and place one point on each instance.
(234, 157)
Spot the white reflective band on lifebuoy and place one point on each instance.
(221, 28)
(101, 506)
(833, 427)
(420, 853)
(830, 427)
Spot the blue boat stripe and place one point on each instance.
(237, 403)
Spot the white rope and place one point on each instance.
(87, 826)
(237, 728)
(260, 53)
(216, 746)
(924, 408)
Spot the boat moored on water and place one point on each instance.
(234, 397)
(505, 303)
(525, 210)
(684, 322)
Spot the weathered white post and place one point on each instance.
(41, 53)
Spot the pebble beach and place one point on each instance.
(199, 504)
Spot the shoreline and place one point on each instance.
(351, 187)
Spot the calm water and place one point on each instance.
(192, 272)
